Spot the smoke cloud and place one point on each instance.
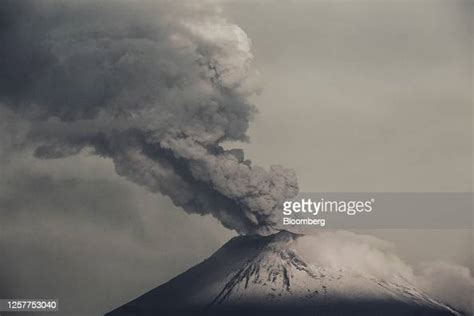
(158, 87)
(449, 283)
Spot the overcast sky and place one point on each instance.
(363, 95)
(355, 96)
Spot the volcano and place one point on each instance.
(264, 275)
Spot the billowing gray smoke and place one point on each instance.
(156, 86)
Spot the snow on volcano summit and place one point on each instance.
(265, 275)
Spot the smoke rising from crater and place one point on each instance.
(158, 87)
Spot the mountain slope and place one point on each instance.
(264, 275)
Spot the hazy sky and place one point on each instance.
(363, 95)
(356, 96)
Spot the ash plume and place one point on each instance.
(158, 87)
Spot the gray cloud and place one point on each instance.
(157, 87)
(449, 283)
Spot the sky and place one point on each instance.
(355, 96)
(385, 85)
